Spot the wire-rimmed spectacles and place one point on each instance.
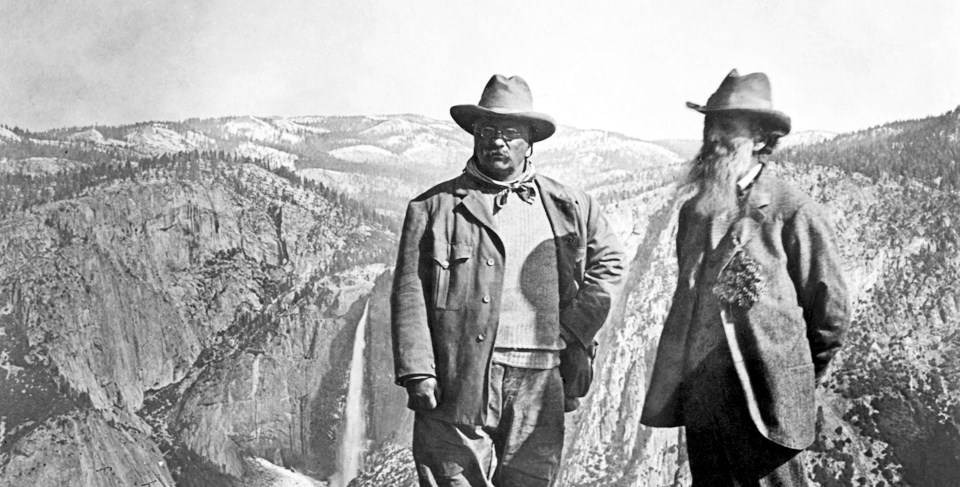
(507, 134)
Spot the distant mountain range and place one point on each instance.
(925, 149)
(688, 148)
(179, 300)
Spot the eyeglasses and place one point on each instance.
(507, 134)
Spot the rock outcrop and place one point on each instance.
(172, 328)
(190, 318)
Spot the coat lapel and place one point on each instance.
(562, 212)
(748, 225)
(561, 209)
(745, 228)
(473, 202)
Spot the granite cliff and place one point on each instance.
(179, 301)
(889, 410)
(169, 328)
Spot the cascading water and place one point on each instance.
(352, 441)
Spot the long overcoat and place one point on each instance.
(449, 277)
(784, 322)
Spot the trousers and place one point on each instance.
(723, 444)
(520, 443)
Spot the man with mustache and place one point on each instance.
(503, 279)
(760, 305)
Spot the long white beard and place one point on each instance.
(715, 172)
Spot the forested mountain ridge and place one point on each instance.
(166, 317)
(926, 149)
(178, 298)
(889, 410)
(381, 160)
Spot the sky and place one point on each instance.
(623, 66)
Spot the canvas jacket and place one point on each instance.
(449, 279)
(781, 337)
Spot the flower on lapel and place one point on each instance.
(740, 282)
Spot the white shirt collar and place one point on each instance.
(749, 177)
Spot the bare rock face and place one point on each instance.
(172, 329)
(888, 411)
(82, 448)
(391, 465)
(390, 422)
(194, 318)
(606, 445)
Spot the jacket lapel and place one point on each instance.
(747, 226)
(474, 203)
(561, 209)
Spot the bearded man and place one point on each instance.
(503, 279)
(760, 305)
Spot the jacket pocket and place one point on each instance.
(451, 268)
(791, 410)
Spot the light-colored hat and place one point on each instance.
(749, 94)
(508, 98)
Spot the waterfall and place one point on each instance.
(354, 430)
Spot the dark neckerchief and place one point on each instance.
(523, 186)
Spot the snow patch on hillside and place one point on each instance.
(390, 127)
(274, 157)
(289, 125)
(317, 123)
(38, 166)
(94, 136)
(874, 133)
(157, 138)
(345, 183)
(196, 139)
(363, 153)
(357, 184)
(255, 129)
(652, 151)
(8, 135)
(444, 127)
(427, 148)
(607, 177)
(593, 140)
(91, 135)
(808, 137)
(600, 145)
(437, 153)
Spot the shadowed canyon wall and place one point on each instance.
(176, 303)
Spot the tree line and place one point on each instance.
(20, 190)
(927, 150)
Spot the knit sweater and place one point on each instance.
(529, 331)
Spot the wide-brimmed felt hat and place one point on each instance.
(748, 94)
(507, 98)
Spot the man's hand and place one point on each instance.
(422, 393)
(576, 369)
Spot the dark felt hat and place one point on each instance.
(749, 94)
(507, 98)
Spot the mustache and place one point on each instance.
(715, 149)
(719, 162)
(496, 152)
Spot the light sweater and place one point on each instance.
(529, 331)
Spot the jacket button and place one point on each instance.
(490, 262)
(480, 337)
(486, 299)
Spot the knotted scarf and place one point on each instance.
(523, 186)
